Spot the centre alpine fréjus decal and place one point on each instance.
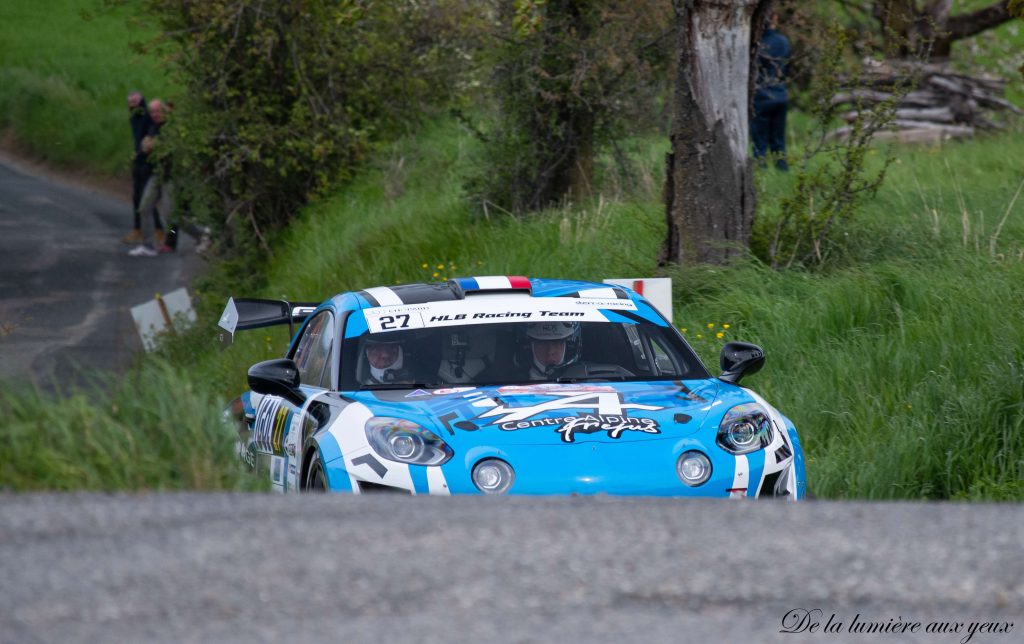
(609, 413)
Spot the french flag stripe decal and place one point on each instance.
(493, 283)
(468, 284)
(519, 282)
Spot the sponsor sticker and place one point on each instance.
(605, 303)
(272, 419)
(276, 464)
(609, 414)
(569, 426)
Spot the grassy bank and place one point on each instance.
(65, 70)
(156, 429)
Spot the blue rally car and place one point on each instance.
(500, 385)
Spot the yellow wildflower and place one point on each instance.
(436, 274)
(424, 265)
(711, 325)
(726, 326)
(440, 266)
(719, 335)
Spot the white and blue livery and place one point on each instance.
(505, 385)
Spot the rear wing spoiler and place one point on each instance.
(246, 313)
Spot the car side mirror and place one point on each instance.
(740, 359)
(277, 378)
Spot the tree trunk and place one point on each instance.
(581, 167)
(709, 189)
(899, 26)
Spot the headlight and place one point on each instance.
(693, 468)
(746, 428)
(406, 442)
(493, 476)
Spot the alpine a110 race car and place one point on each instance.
(505, 385)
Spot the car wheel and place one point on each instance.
(316, 480)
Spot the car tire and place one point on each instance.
(315, 480)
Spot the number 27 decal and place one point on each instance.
(390, 322)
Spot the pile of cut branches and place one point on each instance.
(930, 102)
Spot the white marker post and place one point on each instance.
(164, 314)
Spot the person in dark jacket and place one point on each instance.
(159, 186)
(771, 101)
(140, 122)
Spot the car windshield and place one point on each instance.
(516, 352)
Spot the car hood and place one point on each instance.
(551, 414)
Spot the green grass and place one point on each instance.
(66, 67)
(903, 377)
(154, 430)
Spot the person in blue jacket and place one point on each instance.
(771, 101)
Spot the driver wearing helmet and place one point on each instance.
(385, 358)
(553, 347)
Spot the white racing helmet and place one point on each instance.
(569, 332)
(381, 373)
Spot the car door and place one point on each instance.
(277, 427)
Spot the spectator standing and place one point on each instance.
(159, 186)
(771, 100)
(140, 123)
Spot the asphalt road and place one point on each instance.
(241, 568)
(66, 282)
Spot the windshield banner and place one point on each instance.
(487, 310)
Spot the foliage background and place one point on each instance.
(568, 78)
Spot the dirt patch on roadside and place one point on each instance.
(19, 156)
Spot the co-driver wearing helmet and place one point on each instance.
(553, 347)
